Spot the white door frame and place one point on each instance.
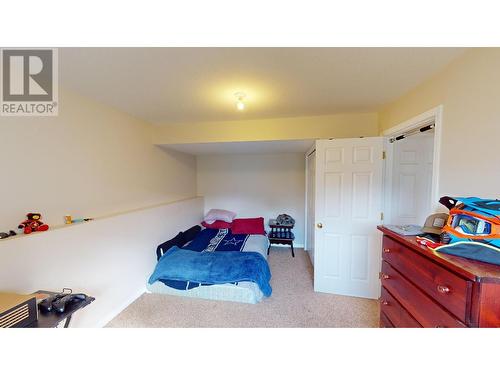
(435, 114)
(311, 149)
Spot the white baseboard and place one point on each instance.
(113, 313)
(295, 245)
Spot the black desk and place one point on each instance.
(52, 319)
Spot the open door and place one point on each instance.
(411, 193)
(348, 209)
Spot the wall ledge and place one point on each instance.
(95, 219)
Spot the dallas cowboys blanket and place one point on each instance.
(217, 240)
(210, 267)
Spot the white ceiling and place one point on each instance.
(179, 85)
(258, 147)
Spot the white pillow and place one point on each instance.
(213, 215)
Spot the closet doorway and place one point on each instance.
(353, 185)
(411, 170)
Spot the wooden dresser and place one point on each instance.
(425, 288)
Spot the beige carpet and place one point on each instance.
(292, 304)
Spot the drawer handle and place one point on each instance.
(387, 250)
(443, 289)
(383, 276)
(384, 302)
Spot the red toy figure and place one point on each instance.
(33, 224)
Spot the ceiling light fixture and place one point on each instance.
(240, 104)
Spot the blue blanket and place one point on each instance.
(213, 268)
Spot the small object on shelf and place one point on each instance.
(69, 220)
(281, 234)
(81, 220)
(6, 235)
(33, 224)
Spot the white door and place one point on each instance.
(348, 209)
(412, 179)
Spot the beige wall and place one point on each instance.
(110, 259)
(91, 160)
(314, 127)
(255, 185)
(469, 90)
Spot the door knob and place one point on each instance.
(319, 225)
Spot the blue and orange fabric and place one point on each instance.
(473, 229)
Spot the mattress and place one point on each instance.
(244, 291)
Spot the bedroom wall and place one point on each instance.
(469, 90)
(255, 185)
(110, 258)
(91, 160)
(342, 125)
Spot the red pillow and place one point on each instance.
(218, 224)
(248, 226)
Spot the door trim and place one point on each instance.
(306, 221)
(434, 114)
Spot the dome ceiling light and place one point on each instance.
(240, 104)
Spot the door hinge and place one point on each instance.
(383, 155)
(381, 216)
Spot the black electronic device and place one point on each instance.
(46, 304)
(59, 305)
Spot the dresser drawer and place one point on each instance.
(444, 286)
(385, 322)
(395, 312)
(418, 304)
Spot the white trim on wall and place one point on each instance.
(309, 152)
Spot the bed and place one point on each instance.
(218, 241)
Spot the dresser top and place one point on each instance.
(470, 269)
